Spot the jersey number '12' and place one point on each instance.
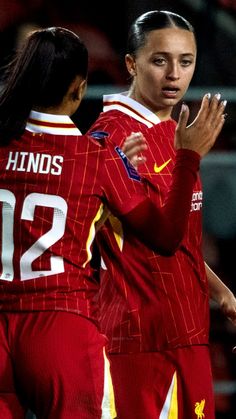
(56, 232)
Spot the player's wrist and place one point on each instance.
(188, 158)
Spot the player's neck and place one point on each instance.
(163, 112)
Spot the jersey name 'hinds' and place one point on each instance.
(23, 161)
(196, 203)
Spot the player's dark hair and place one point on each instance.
(153, 20)
(39, 76)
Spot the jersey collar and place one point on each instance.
(51, 124)
(123, 103)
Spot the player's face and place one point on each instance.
(163, 69)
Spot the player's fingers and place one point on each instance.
(134, 151)
(134, 146)
(137, 160)
(134, 138)
(205, 105)
(219, 113)
(203, 111)
(135, 143)
(216, 108)
(218, 125)
(215, 118)
(183, 118)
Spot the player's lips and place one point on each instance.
(170, 91)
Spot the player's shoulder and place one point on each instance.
(166, 128)
(169, 125)
(109, 120)
(98, 138)
(103, 129)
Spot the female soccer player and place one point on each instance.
(53, 183)
(155, 307)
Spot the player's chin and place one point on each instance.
(170, 101)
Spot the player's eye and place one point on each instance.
(186, 62)
(159, 61)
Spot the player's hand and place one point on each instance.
(133, 147)
(201, 134)
(228, 305)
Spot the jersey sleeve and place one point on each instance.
(122, 185)
(112, 126)
(161, 228)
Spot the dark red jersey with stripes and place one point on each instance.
(150, 302)
(53, 183)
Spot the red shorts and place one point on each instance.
(169, 384)
(52, 363)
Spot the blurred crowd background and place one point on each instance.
(103, 26)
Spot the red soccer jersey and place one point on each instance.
(150, 302)
(53, 182)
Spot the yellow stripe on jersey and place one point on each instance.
(170, 408)
(118, 233)
(108, 402)
(173, 413)
(91, 234)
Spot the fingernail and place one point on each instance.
(218, 96)
(224, 103)
(208, 95)
(183, 107)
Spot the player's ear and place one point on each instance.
(130, 64)
(82, 89)
(78, 89)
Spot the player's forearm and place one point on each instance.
(163, 228)
(217, 288)
(222, 295)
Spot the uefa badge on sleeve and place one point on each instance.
(131, 171)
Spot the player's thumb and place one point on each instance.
(183, 117)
